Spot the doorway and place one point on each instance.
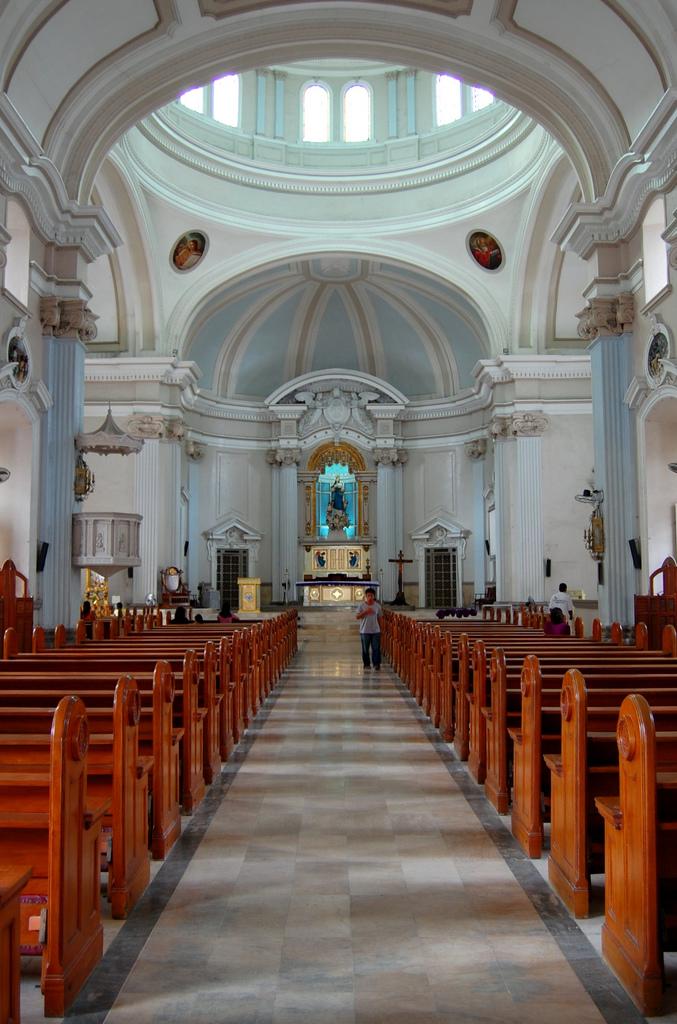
(441, 589)
(230, 564)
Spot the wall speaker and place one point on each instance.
(130, 572)
(486, 544)
(635, 552)
(548, 567)
(600, 574)
(185, 548)
(43, 547)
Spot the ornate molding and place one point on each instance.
(606, 316)
(5, 239)
(59, 220)
(501, 428)
(67, 318)
(529, 424)
(283, 457)
(476, 450)
(390, 456)
(194, 450)
(337, 408)
(146, 427)
(160, 129)
(228, 8)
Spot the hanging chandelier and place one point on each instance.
(109, 439)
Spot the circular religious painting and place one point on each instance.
(17, 353)
(189, 250)
(485, 250)
(658, 350)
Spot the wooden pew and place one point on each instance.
(190, 713)
(157, 734)
(504, 707)
(587, 767)
(50, 825)
(12, 881)
(640, 853)
(539, 732)
(116, 772)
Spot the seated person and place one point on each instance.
(87, 613)
(556, 625)
(226, 615)
(119, 610)
(180, 617)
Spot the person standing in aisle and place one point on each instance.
(369, 617)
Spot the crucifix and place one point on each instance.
(401, 561)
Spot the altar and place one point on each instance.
(322, 593)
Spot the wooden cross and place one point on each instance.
(401, 562)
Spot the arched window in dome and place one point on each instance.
(194, 99)
(315, 113)
(480, 98)
(357, 113)
(226, 100)
(448, 104)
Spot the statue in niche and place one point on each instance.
(337, 509)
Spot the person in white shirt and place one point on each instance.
(369, 617)
(560, 599)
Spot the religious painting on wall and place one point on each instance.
(17, 355)
(189, 250)
(320, 559)
(657, 360)
(485, 250)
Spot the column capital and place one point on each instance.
(67, 318)
(283, 456)
(476, 450)
(606, 316)
(529, 424)
(194, 450)
(390, 456)
(155, 427)
(501, 428)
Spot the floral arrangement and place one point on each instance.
(460, 613)
(337, 519)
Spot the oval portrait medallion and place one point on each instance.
(485, 250)
(188, 251)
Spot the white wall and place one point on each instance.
(16, 437)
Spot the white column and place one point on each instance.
(59, 584)
(146, 492)
(502, 549)
(170, 545)
(195, 453)
(389, 517)
(528, 565)
(476, 451)
(285, 543)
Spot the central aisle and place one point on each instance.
(345, 878)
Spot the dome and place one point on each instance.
(299, 317)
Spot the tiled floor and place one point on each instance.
(348, 872)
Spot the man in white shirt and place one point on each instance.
(560, 599)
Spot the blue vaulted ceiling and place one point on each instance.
(412, 330)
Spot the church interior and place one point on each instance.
(299, 299)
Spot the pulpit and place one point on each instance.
(16, 606)
(174, 590)
(659, 610)
(249, 589)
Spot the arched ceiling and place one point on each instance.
(79, 82)
(337, 312)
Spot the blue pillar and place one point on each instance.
(615, 471)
